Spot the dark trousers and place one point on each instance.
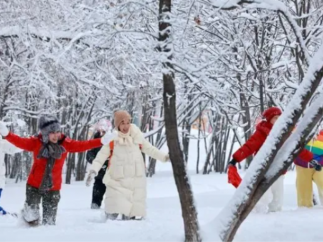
(98, 192)
(50, 201)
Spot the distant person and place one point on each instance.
(98, 186)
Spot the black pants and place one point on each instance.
(98, 192)
(50, 201)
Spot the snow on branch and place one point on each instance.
(41, 33)
(229, 4)
(274, 5)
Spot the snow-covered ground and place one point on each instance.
(77, 222)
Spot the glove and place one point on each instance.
(4, 131)
(167, 158)
(233, 176)
(107, 138)
(317, 166)
(233, 162)
(90, 177)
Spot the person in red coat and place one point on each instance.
(50, 148)
(253, 145)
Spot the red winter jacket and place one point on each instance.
(256, 140)
(33, 144)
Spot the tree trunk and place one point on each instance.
(209, 152)
(246, 122)
(186, 126)
(189, 212)
(198, 140)
(179, 169)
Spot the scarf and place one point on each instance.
(50, 152)
(124, 139)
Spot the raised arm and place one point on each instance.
(74, 146)
(8, 148)
(27, 144)
(91, 154)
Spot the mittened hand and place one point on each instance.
(317, 166)
(90, 177)
(107, 138)
(4, 131)
(233, 176)
(167, 158)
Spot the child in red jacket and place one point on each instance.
(253, 145)
(50, 149)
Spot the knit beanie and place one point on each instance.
(271, 112)
(47, 125)
(120, 116)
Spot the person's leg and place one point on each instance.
(31, 208)
(262, 204)
(101, 189)
(98, 193)
(318, 179)
(50, 204)
(277, 190)
(111, 209)
(304, 186)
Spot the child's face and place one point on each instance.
(124, 126)
(274, 119)
(54, 137)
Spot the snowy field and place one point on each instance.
(77, 222)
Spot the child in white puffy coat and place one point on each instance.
(125, 180)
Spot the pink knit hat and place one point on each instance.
(120, 116)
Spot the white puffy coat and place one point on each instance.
(126, 179)
(5, 148)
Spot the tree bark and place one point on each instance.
(189, 212)
(198, 140)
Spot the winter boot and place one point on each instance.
(124, 217)
(272, 208)
(111, 216)
(95, 206)
(2, 211)
(23, 220)
(136, 218)
(31, 215)
(117, 216)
